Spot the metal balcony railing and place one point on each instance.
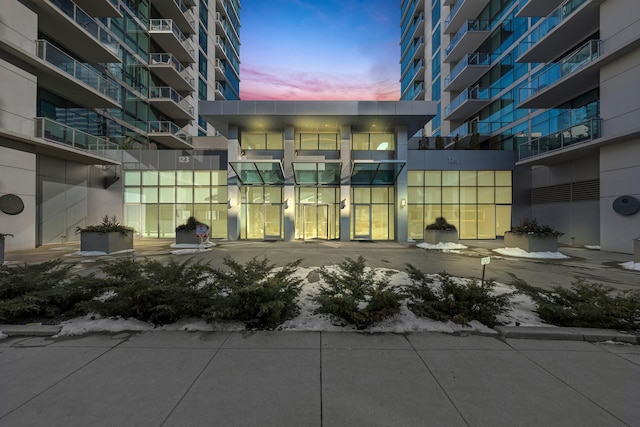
(556, 71)
(579, 133)
(167, 127)
(89, 76)
(90, 25)
(169, 59)
(166, 92)
(52, 131)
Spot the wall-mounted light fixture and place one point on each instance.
(343, 203)
(229, 203)
(286, 204)
(403, 203)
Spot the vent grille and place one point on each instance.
(575, 191)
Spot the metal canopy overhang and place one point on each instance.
(376, 172)
(318, 116)
(317, 173)
(265, 172)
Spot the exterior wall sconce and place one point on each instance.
(229, 203)
(403, 203)
(286, 204)
(343, 203)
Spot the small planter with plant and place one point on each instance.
(187, 233)
(108, 236)
(440, 232)
(530, 236)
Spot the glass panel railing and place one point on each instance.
(408, 56)
(409, 33)
(52, 131)
(474, 93)
(553, 20)
(556, 71)
(468, 60)
(453, 12)
(87, 75)
(469, 26)
(89, 24)
(579, 133)
(170, 128)
(482, 128)
(167, 25)
(166, 92)
(169, 59)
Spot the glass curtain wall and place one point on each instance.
(478, 203)
(373, 213)
(157, 201)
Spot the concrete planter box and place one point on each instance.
(187, 237)
(531, 242)
(434, 237)
(91, 241)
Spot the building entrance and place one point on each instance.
(318, 222)
(362, 222)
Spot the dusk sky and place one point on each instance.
(320, 50)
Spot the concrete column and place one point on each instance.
(289, 199)
(345, 186)
(233, 214)
(402, 153)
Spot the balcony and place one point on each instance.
(469, 102)
(100, 8)
(468, 71)
(220, 70)
(536, 8)
(415, 51)
(577, 134)
(468, 39)
(172, 72)
(224, 27)
(462, 11)
(170, 103)
(415, 72)
(169, 37)
(561, 81)
(78, 145)
(565, 27)
(180, 13)
(169, 135)
(77, 82)
(220, 91)
(415, 29)
(74, 29)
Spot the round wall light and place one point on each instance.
(626, 205)
(11, 204)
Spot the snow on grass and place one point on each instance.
(192, 248)
(521, 312)
(442, 246)
(520, 253)
(99, 253)
(594, 247)
(631, 265)
(3, 336)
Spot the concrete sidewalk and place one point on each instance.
(315, 379)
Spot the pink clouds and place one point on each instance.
(294, 85)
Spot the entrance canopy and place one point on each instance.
(317, 173)
(376, 173)
(318, 116)
(264, 172)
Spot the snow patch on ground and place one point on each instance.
(631, 265)
(517, 252)
(98, 253)
(441, 246)
(594, 247)
(3, 336)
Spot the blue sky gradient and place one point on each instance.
(320, 50)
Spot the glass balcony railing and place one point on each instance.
(167, 127)
(470, 94)
(52, 131)
(169, 59)
(453, 12)
(411, 52)
(409, 33)
(90, 25)
(553, 20)
(89, 76)
(167, 25)
(579, 133)
(481, 128)
(165, 92)
(468, 60)
(556, 71)
(469, 26)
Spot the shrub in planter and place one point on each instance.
(531, 236)
(584, 305)
(458, 302)
(186, 233)
(108, 236)
(440, 231)
(255, 293)
(354, 294)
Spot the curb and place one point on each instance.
(567, 334)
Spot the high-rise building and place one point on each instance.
(82, 81)
(554, 81)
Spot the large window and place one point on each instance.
(262, 141)
(373, 213)
(317, 141)
(478, 203)
(373, 141)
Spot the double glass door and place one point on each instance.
(316, 222)
(264, 221)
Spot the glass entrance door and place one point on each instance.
(362, 222)
(315, 222)
(272, 222)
